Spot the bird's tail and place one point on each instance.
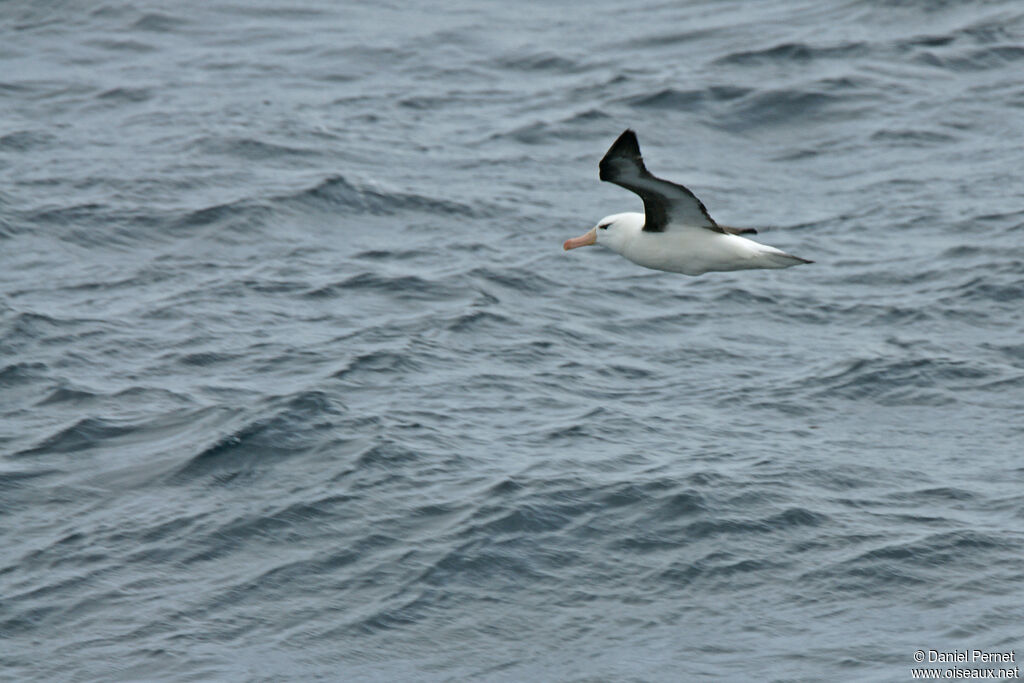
(780, 259)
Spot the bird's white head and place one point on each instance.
(612, 231)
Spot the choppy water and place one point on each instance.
(296, 381)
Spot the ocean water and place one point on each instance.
(296, 382)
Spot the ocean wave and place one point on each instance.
(28, 141)
(337, 191)
(980, 59)
(580, 125)
(85, 434)
(243, 214)
(159, 22)
(782, 106)
(892, 566)
(262, 441)
(376, 363)
(687, 100)
(252, 149)
(789, 53)
(122, 94)
(539, 61)
(919, 381)
(68, 395)
(399, 287)
(22, 373)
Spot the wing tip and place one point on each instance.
(626, 146)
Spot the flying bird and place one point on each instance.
(675, 232)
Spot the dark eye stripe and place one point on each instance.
(605, 226)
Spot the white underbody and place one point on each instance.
(690, 250)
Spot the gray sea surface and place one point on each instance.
(297, 383)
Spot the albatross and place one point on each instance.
(675, 232)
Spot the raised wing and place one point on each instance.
(664, 202)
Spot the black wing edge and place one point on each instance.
(625, 146)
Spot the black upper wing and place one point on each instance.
(664, 202)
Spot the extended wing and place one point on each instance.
(664, 202)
